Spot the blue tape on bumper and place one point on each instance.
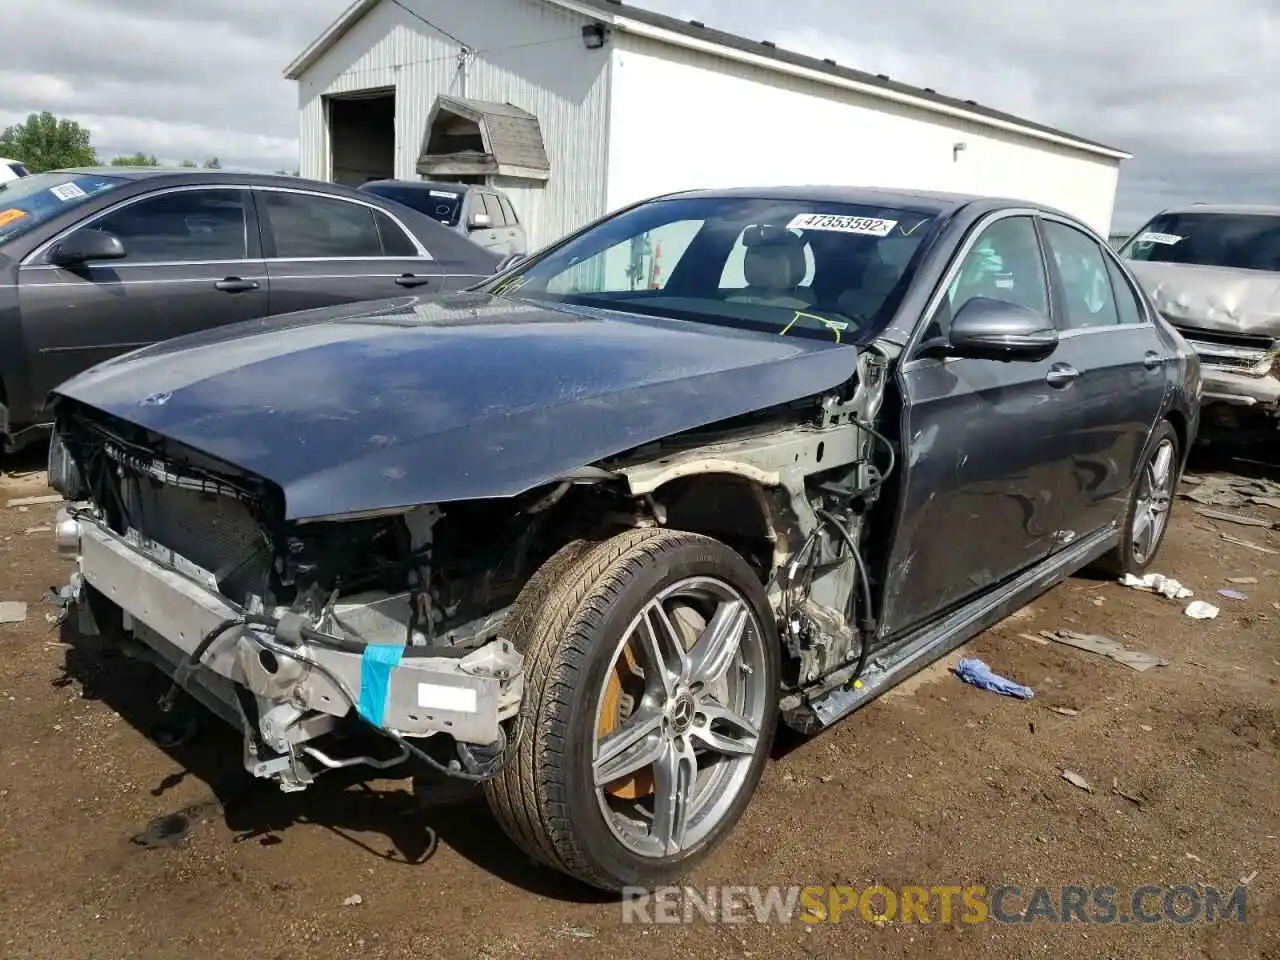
(376, 664)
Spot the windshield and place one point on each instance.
(1243, 241)
(27, 203)
(438, 204)
(808, 268)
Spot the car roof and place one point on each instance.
(433, 185)
(929, 202)
(179, 175)
(1260, 209)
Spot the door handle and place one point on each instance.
(412, 280)
(1061, 375)
(1152, 360)
(235, 285)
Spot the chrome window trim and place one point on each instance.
(41, 250)
(38, 253)
(958, 258)
(161, 263)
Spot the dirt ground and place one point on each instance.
(937, 783)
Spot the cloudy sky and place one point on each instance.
(1186, 85)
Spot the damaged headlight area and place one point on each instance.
(1240, 380)
(296, 632)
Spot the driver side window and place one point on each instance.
(1003, 264)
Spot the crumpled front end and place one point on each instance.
(1231, 318)
(193, 572)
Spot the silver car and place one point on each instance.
(11, 170)
(483, 214)
(1214, 273)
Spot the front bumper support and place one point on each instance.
(413, 691)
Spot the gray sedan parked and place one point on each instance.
(94, 263)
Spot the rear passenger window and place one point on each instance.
(309, 226)
(395, 242)
(1086, 285)
(509, 212)
(496, 217)
(1127, 304)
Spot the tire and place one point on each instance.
(1152, 499)
(581, 624)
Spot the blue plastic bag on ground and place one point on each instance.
(978, 674)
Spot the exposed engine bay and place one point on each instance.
(295, 631)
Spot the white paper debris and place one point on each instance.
(36, 501)
(1157, 583)
(1076, 780)
(1106, 647)
(353, 901)
(13, 611)
(1199, 610)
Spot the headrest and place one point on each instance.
(775, 258)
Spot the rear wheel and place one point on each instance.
(1147, 519)
(651, 693)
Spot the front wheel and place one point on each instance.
(1147, 519)
(651, 697)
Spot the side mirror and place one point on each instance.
(85, 246)
(479, 221)
(995, 330)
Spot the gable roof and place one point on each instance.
(763, 53)
(512, 139)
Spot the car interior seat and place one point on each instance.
(775, 267)
(877, 282)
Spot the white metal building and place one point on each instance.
(577, 107)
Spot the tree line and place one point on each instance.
(44, 142)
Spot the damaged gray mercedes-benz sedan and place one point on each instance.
(1214, 273)
(585, 533)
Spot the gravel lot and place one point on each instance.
(937, 783)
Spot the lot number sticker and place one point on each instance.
(867, 226)
(1168, 239)
(66, 191)
(8, 216)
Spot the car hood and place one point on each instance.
(420, 400)
(1213, 298)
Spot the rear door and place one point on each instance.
(488, 237)
(986, 443)
(192, 262)
(516, 240)
(1111, 349)
(324, 250)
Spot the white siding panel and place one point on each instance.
(684, 119)
(528, 54)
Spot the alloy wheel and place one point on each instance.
(679, 717)
(1154, 497)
